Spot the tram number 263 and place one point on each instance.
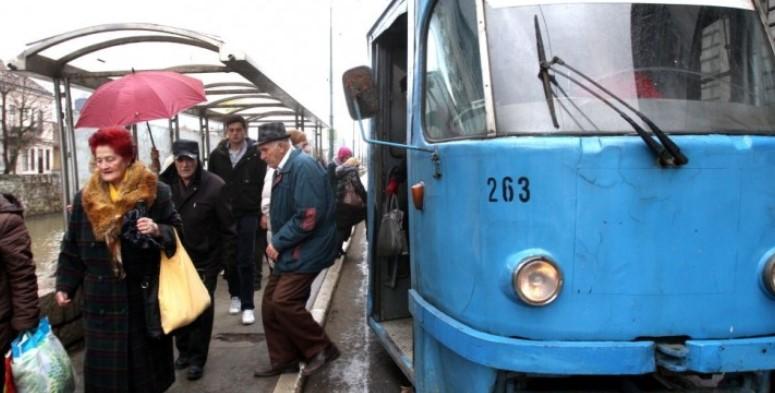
(508, 189)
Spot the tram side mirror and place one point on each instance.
(359, 88)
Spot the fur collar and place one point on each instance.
(105, 216)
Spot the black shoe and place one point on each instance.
(323, 357)
(272, 371)
(194, 373)
(182, 363)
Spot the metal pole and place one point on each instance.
(330, 81)
(207, 140)
(71, 128)
(177, 128)
(172, 131)
(63, 151)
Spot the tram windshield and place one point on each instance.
(690, 68)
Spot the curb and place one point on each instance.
(294, 383)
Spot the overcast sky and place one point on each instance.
(287, 39)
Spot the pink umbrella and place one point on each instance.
(141, 96)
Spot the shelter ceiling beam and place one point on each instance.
(220, 92)
(229, 84)
(227, 100)
(244, 67)
(184, 69)
(41, 45)
(272, 114)
(134, 40)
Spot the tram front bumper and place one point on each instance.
(591, 357)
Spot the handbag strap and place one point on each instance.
(392, 202)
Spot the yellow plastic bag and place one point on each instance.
(182, 295)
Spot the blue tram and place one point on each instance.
(586, 189)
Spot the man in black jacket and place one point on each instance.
(237, 162)
(208, 236)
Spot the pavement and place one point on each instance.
(365, 366)
(237, 350)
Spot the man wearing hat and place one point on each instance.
(208, 236)
(302, 218)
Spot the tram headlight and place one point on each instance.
(537, 281)
(768, 275)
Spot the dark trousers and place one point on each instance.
(241, 273)
(291, 332)
(193, 341)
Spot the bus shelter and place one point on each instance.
(84, 59)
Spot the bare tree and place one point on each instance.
(21, 117)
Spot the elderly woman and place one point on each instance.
(120, 223)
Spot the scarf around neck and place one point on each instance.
(106, 215)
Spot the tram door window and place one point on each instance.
(390, 276)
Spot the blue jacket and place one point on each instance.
(303, 213)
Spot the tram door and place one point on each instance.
(390, 277)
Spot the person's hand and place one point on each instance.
(146, 226)
(264, 222)
(61, 298)
(271, 252)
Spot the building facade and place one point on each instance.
(28, 104)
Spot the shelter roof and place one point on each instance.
(91, 56)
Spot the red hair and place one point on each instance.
(117, 138)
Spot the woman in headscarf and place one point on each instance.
(120, 223)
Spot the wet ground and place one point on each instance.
(364, 366)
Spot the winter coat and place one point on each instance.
(302, 215)
(209, 231)
(244, 181)
(18, 284)
(112, 308)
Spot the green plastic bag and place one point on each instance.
(40, 364)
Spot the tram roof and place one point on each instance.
(233, 82)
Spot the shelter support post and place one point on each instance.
(71, 132)
(174, 129)
(63, 147)
(204, 135)
(318, 141)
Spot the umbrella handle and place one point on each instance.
(150, 134)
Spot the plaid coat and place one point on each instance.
(119, 356)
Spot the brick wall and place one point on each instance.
(40, 194)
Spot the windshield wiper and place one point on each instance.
(678, 158)
(664, 156)
(543, 73)
(667, 152)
